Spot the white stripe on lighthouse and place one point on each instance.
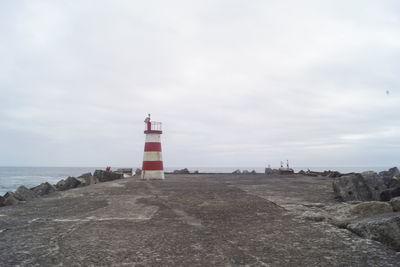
(152, 156)
(153, 175)
(153, 138)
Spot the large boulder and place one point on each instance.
(334, 174)
(183, 171)
(389, 194)
(384, 228)
(2, 199)
(9, 199)
(105, 176)
(392, 172)
(395, 202)
(370, 208)
(351, 187)
(236, 172)
(87, 179)
(44, 189)
(69, 183)
(24, 194)
(86, 175)
(374, 183)
(392, 182)
(126, 172)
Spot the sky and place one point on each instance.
(235, 83)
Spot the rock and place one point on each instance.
(312, 216)
(104, 176)
(370, 208)
(389, 194)
(126, 172)
(2, 199)
(183, 171)
(196, 172)
(334, 174)
(302, 172)
(237, 172)
(351, 187)
(24, 194)
(43, 189)
(69, 183)
(384, 228)
(374, 183)
(395, 202)
(245, 172)
(9, 199)
(138, 172)
(86, 175)
(253, 172)
(392, 182)
(392, 172)
(311, 173)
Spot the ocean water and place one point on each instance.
(13, 177)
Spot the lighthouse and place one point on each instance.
(152, 167)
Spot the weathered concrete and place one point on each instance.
(185, 220)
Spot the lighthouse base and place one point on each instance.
(152, 175)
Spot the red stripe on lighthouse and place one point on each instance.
(152, 166)
(152, 147)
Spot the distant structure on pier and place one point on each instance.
(152, 167)
(286, 170)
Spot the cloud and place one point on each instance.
(235, 83)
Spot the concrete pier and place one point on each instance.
(185, 220)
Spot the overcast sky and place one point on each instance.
(235, 83)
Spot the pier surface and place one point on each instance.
(185, 220)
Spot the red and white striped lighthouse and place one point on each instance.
(152, 167)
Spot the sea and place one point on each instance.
(13, 177)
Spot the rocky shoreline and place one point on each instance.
(23, 194)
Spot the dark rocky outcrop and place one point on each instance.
(9, 199)
(183, 171)
(389, 194)
(253, 172)
(69, 183)
(384, 228)
(334, 174)
(392, 172)
(2, 199)
(24, 194)
(43, 189)
(237, 172)
(351, 187)
(105, 176)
